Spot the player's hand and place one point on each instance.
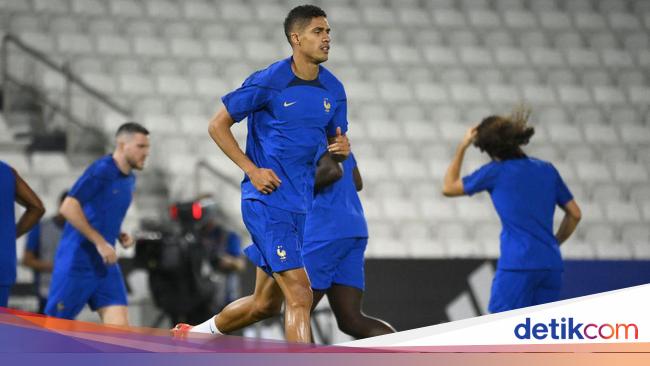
(126, 240)
(470, 136)
(264, 180)
(107, 252)
(340, 146)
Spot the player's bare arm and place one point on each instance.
(34, 208)
(73, 212)
(358, 182)
(327, 172)
(264, 180)
(32, 261)
(452, 184)
(572, 216)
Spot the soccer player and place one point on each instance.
(336, 235)
(524, 191)
(14, 189)
(42, 242)
(293, 107)
(85, 268)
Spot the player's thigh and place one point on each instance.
(267, 292)
(295, 287)
(345, 301)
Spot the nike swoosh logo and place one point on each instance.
(289, 104)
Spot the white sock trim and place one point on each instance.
(207, 327)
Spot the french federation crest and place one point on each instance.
(281, 253)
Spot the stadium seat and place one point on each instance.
(542, 56)
(605, 95)
(593, 172)
(440, 55)
(589, 21)
(634, 134)
(199, 10)
(574, 95)
(519, 19)
(555, 20)
(149, 46)
(473, 211)
(112, 45)
(162, 9)
(186, 48)
(378, 16)
(484, 19)
(43, 6)
(627, 172)
(413, 17)
(448, 18)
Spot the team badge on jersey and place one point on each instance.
(326, 105)
(281, 253)
(60, 306)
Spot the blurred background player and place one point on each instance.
(14, 189)
(336, 236)
(223, 247)
(85, 269)
(42, 242)
(293, 107)
(524, 192)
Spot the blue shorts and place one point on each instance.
(4, 295)
(336, 262)
(518, 289)
(70, 292)
(277, 236)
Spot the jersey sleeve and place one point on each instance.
(233, 246)
(34, 239)
(483, 179)
(87, 186)
(252, 96)
(340, 118)
(562, 193)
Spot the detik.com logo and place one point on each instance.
(568, 328)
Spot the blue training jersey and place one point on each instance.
(7, 225)
(289, 120)
(105, 194)
(336, 211)
(524, 193)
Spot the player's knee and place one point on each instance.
(301, 298)
(350, 324)
(266, 308)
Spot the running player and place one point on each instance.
(14, 189)
(85, 268)
(524, 192)
(336, 235)
(291, 106)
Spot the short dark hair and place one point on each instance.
(502, 137)
(300, 16)
(131, 128)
